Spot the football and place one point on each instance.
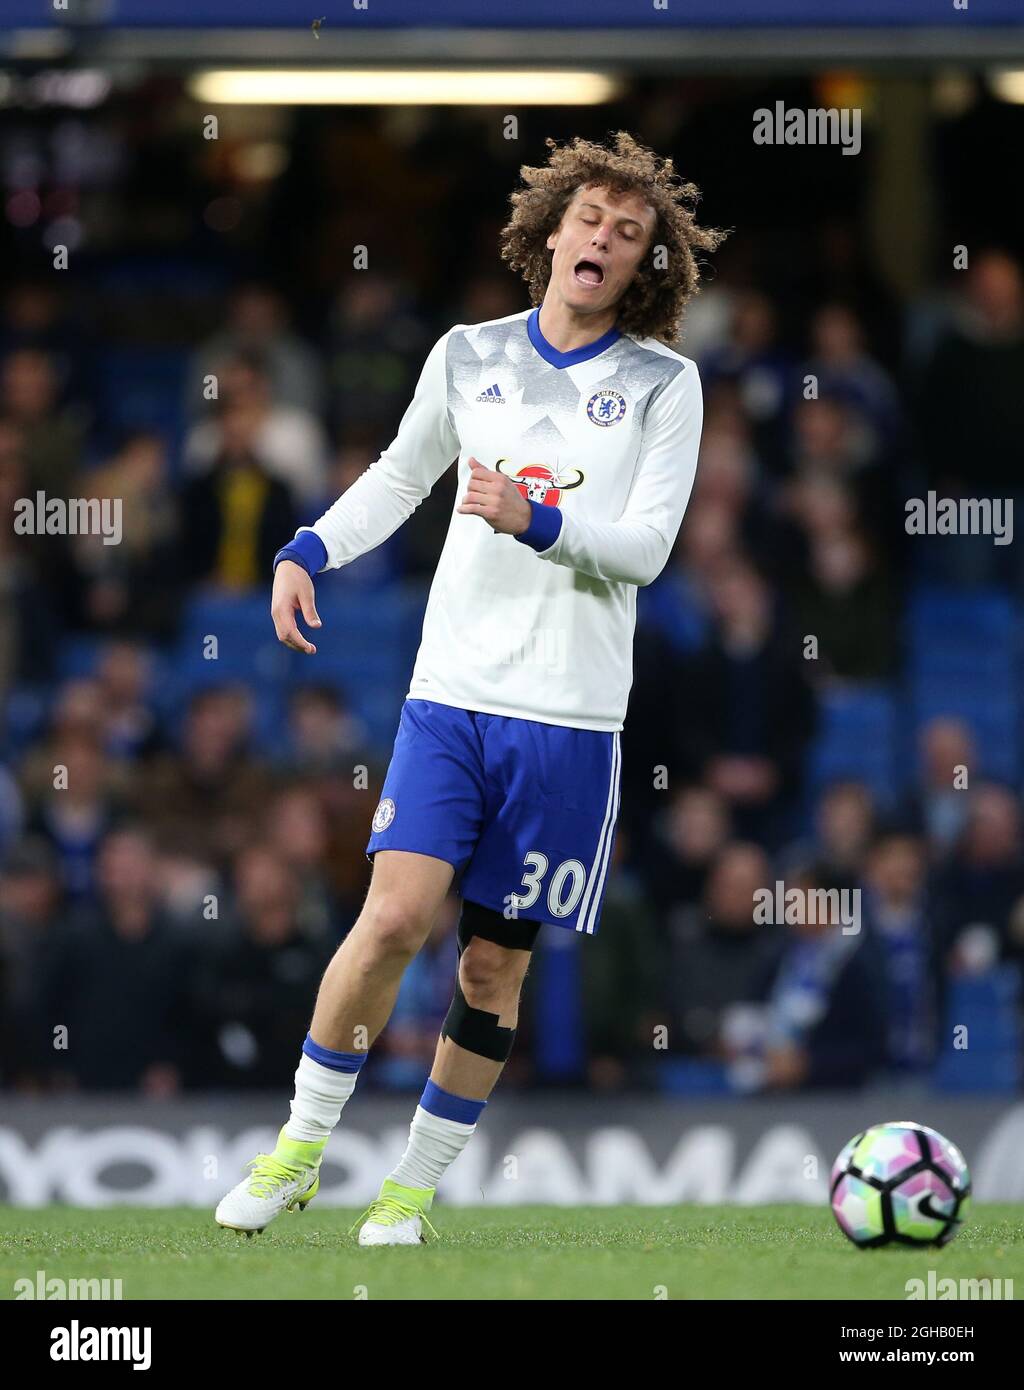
(900, 1183)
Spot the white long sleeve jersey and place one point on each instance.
(607, 434)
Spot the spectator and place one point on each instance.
(32, 602)
(623, 983)
(833, 440)
(236, 516)
(971, 408)
(844, 821)
(125, 678)
(746, 707)
(898, 914)
(39, 315)
(844, 369)
(29, 922)
(947, 757)
(133, 587)
(119, 980)
(322, 734)
(257, 322)
(286, 443)
(257, 978)
(846, 601)
(980, 891)
(76, 810)
(760, 369)
(823, 1022)
(202, 800)
(296, 828)
(51, 436)
(685, 840)
(719, 956)
(375, 350)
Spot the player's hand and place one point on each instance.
(293, 589)
(497, 499)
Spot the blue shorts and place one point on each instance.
(524, 812)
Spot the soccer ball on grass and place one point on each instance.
(900, 1183)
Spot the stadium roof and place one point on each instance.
(695, 35)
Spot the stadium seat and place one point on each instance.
(988, 1006)
(77, 656)
(684, 1076)
(964, 662)
(671, 607)
(25, 712)
(978, 619)
(365, 651)
(144, 388)
(856, 739)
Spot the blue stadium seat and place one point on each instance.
(366, 650)
(683, 1076)
(964, 661)
(856, 739)
(77, 656)
(144, 388)
(671, 607)
(25, 712)
(988, 1006)
(993, 718)
(978, 618)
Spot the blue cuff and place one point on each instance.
(449, 1107)
(307, 550)
(544, 529)
(337, 1061)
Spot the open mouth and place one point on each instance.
(588, 273)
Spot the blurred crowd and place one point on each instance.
(171, 887)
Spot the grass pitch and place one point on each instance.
(684, 1252)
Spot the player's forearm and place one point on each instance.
(363, 517)
(628, 552)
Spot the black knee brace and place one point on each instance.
(488, 923)
(475, 1029)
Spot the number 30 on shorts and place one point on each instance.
(561, 900)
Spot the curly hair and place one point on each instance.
(654, 303)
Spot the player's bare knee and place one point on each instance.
(490, 974)
(393, 929)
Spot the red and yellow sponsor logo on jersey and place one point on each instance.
(537, 483)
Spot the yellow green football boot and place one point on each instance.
(286, 1180)
(397, 1216)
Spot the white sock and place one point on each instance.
(434, 1144)
(320, 1096)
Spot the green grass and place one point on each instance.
(779, 1252)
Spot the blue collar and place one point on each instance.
(567, 359)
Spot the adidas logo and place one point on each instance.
(493, 393)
